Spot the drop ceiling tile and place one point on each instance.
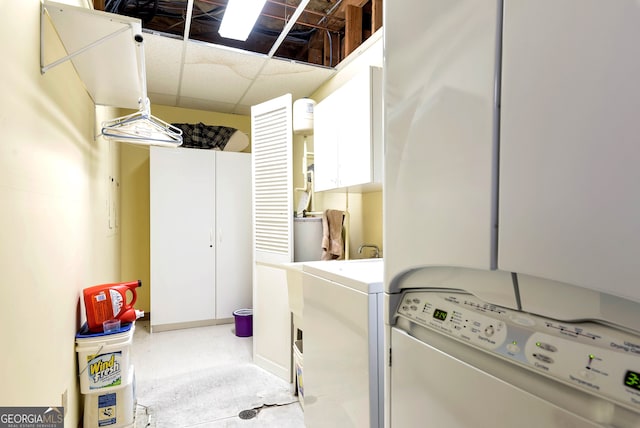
(163, 58)
(207, 105)
(218, 73)
(163, 99)
(282, 76)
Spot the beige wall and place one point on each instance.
(54, 192)
(372, 218)
(135, 193)
(134, 197)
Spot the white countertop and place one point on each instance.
(365, 275)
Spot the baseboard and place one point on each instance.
(272, 368)
(190, 324)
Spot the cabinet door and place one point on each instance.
(569, 153)
(182, 222)
(346, 135)
(233, 233)
(440, 152)
(353, 119)
(325, 144)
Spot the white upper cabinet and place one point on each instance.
(569, 144)
(562, 204)
(440, 145)
(325, 144)
(348, 135)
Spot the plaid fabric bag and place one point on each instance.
(201, 136)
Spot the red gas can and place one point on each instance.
(106, 302)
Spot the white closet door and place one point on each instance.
(182, 196)
(569, 198)
(233, 233)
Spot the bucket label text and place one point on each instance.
(104, 370)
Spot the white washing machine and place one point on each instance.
(343, 343)
(461, 362)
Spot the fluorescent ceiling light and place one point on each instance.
(239, 18)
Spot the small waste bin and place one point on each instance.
(244, 322)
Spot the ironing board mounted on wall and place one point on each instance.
(108, 54)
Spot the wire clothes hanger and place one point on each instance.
(141, 127)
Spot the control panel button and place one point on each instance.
(546, 346)
(543, 358)
(513, 348)
(586, 374)
(522, 320)
(489, 331)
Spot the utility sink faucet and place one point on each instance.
(376, 250)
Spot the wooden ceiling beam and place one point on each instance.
(356, 3)
(353, 29)
(376, 15)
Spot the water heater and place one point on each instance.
(303, 116)
(307, 239)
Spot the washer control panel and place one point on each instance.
(586, 355)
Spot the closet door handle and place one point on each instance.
(210, 238)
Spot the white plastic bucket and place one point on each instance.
(113, 408)
(297, 362)
(103, 359)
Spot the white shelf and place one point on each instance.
(103, 49)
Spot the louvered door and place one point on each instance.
(272, 137)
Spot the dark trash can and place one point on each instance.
(244, 322)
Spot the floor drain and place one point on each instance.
(248, 414)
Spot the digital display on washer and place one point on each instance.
(439, 314)
(632, 380)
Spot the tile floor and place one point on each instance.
(204, 377)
